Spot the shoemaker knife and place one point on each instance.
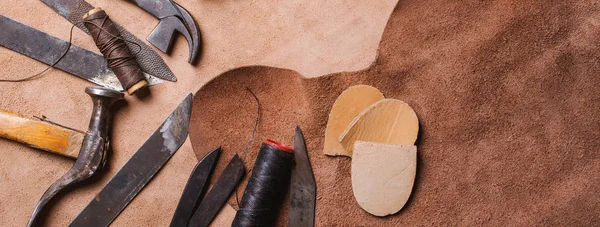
(48, 49)
(195, 211)
(139, 170)
(303, 188)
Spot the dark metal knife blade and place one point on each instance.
(303, 187)
(48, 49)
(218, 194)
(194, 189)
(149, 60)
(139, 170)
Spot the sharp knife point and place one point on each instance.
(214, 155)
(237, 160)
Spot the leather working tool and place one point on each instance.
(47, 49)
(149, 60)
(118, 56)
(93, 149)
(40, 135)
(303, 188)
(172, 18)
(195, 211)
(261, 198)
(139, 170)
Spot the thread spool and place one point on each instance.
(267, 186)
(118, 56)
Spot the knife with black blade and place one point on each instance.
(139, 170)
(218, 194)
(149, 60)
(302, 187)
(193, 210)
(195, 188)
(47, 49)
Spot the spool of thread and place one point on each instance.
(115, 50)
(267, 186)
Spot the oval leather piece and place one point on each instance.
(387, 121)
(383, 176)
(346, 107)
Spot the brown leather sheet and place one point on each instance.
(312, 37)
(507, 94)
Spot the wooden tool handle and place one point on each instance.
(40, 135)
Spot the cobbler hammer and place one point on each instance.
(93, 150)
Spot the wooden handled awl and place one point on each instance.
(40, 135)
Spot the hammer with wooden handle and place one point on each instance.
(92, 151)
(40, 135)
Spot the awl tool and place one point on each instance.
(150, 61)
(47, 49)
(172, 18)
(92, 153)
(139, 170)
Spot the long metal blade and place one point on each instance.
(194, 189)
(47, 49)
(218, 194)
(149, 60)
(139, 170)
(303, 187)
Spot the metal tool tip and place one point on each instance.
(104, 92)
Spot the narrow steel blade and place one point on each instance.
(139, 170)
(195, 187)
(149, 60)
(303, 187)
(218, 194)
(47, 49)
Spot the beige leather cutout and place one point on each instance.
(383, 176)
(388, 121)
(346, 107)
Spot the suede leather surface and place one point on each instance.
(308, 36)
(507, 94)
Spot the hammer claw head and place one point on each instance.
(193, 31)
(162, 36)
